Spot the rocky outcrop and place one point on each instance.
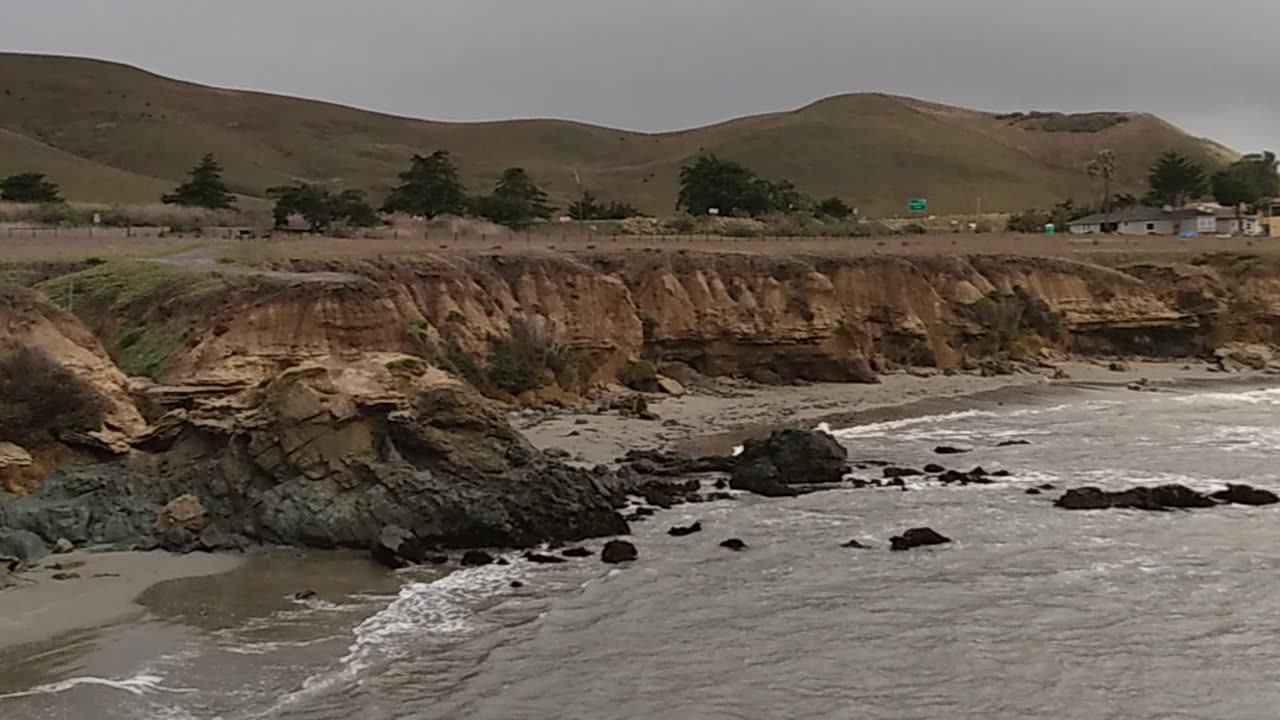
(1162, 498)
(327, 456)
(788, 462)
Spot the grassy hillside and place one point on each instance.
(874, 150)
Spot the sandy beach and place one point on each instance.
(39, 607)
(715, 421)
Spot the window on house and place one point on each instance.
(1151, 227)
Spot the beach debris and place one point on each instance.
(618, 551)
(685, 531)
(476, 558)
(918, 537)
(734, 544)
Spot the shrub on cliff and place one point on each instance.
(39, 399)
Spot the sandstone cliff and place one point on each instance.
(808, 317)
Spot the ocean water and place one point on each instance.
(1032, 612)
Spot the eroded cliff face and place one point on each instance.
(807, 317)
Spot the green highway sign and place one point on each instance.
(917, 205)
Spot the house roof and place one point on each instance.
(1127, 215)
(1154, 214)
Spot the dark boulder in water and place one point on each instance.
(918, 537)
(476, 558)
(734, 544)
(934, 468)
(1245, 495)
(386, 549)
(1033, 491)
(1153, 499)
(516, 584)
(577, 552)
(437, 559)
(305, 595)
(1012, 443)
(789, 457)
(685, 531)
(948, 450)
(618, 551)
(762, 478)
(901, 472)
(855, 545)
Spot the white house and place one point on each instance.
(1160, 221)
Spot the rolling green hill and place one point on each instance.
(113, 133)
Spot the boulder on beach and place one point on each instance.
(24, 546)
(918, 537)
(618, 551)
(789, 457)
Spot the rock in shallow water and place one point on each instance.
(734, 544)
(685, 531)
(618, 551)
(1245, 495)
(768, 465)
(541, 559)
(918, 537)
(476, 558)
(1154, 499)
(577, 552)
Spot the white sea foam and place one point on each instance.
(1270, 396)
(140, 684)
(437, 610)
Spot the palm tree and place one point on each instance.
(1104, 166)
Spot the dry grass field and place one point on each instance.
(203, 252)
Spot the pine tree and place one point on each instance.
(29, 188)
(205, 189)
(430, 187)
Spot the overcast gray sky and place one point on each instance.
(1210, 67)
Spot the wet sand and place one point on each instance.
(39, 607)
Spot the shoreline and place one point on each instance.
(716, 422)
(110, 586)
(39, 608)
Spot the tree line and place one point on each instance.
(431, 186)
(1174, 180)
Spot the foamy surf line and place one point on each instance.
(140, 684)
(420, 612)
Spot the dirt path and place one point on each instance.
(208, 258)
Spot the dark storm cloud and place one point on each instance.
(664, 64)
